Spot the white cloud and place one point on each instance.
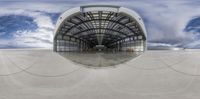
(160, 44)
(165, 20)
(44, 22)
(4, 43)
(41, 37)
(194, 44)
(2, 33)
(34, 6)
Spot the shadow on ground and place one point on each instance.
(100, 59)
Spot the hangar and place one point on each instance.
(44, 74)
(99, 28)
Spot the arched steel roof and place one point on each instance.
(109, 23)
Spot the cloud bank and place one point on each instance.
(166, 21)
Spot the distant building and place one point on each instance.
(164, 48)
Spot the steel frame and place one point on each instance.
(99, 27)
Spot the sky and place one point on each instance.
(31, 23)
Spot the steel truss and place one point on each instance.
(83, 31)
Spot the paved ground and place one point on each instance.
(42, 74)
(100, 59)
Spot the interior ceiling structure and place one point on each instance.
(99, 26)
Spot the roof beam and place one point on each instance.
(100, 29)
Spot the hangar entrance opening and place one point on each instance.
(100, 28)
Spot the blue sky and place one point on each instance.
(30, 23)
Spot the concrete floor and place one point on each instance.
(100, 59)
(43, 74)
